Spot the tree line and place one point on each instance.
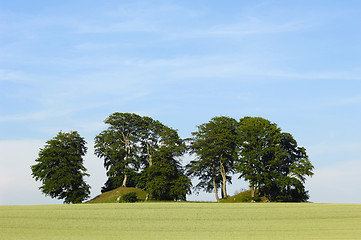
(142, 152)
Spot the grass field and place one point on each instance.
(182, 221)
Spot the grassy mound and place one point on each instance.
(240, 197)
(113, 195)
(243, 197)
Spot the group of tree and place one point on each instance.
(137, 152)
(142, 152)
(275, 166)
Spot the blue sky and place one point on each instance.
(67, 65)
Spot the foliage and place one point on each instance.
(131, 145)
(129, 197)
(215, 147)
(164, 180)
(118, 147)
(271, 160)
(60, 168)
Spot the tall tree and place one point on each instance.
(271, 161)
(60, 168)
(215, 148)
(257, 138)
(294, 167)
(131, 145)
(118, 145)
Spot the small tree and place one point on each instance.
(60, 168)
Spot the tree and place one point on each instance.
(130, 146)
(207, 174)
(214, 145)
(60, 168)
(256, 138)
(118, 145)
(164, 179)
(271, 161)
(295, 167)
(162, 176)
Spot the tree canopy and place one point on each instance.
(271, 160)
(118, 146)
(275, 166)
(164, 179)
(140, 151)
(60, 168)
(215, 148)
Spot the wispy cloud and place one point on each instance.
(139, 17)
(232, 66)
(95, 46)
(350, 100)
(8, 75)
(85, 27)
(251, 26)
(55, 114)
(314, 75)
(25, 117)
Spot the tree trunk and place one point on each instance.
(126, 165)
(124, 181)
(224, 190)
(215, 189)
(128, 149)
(224, 180)
(251, 188)
(149, 158)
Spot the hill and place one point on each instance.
(242, 197)
(113, 195)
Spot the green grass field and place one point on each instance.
(182, 221)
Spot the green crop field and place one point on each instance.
(182, 221)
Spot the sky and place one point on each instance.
(67, 65)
